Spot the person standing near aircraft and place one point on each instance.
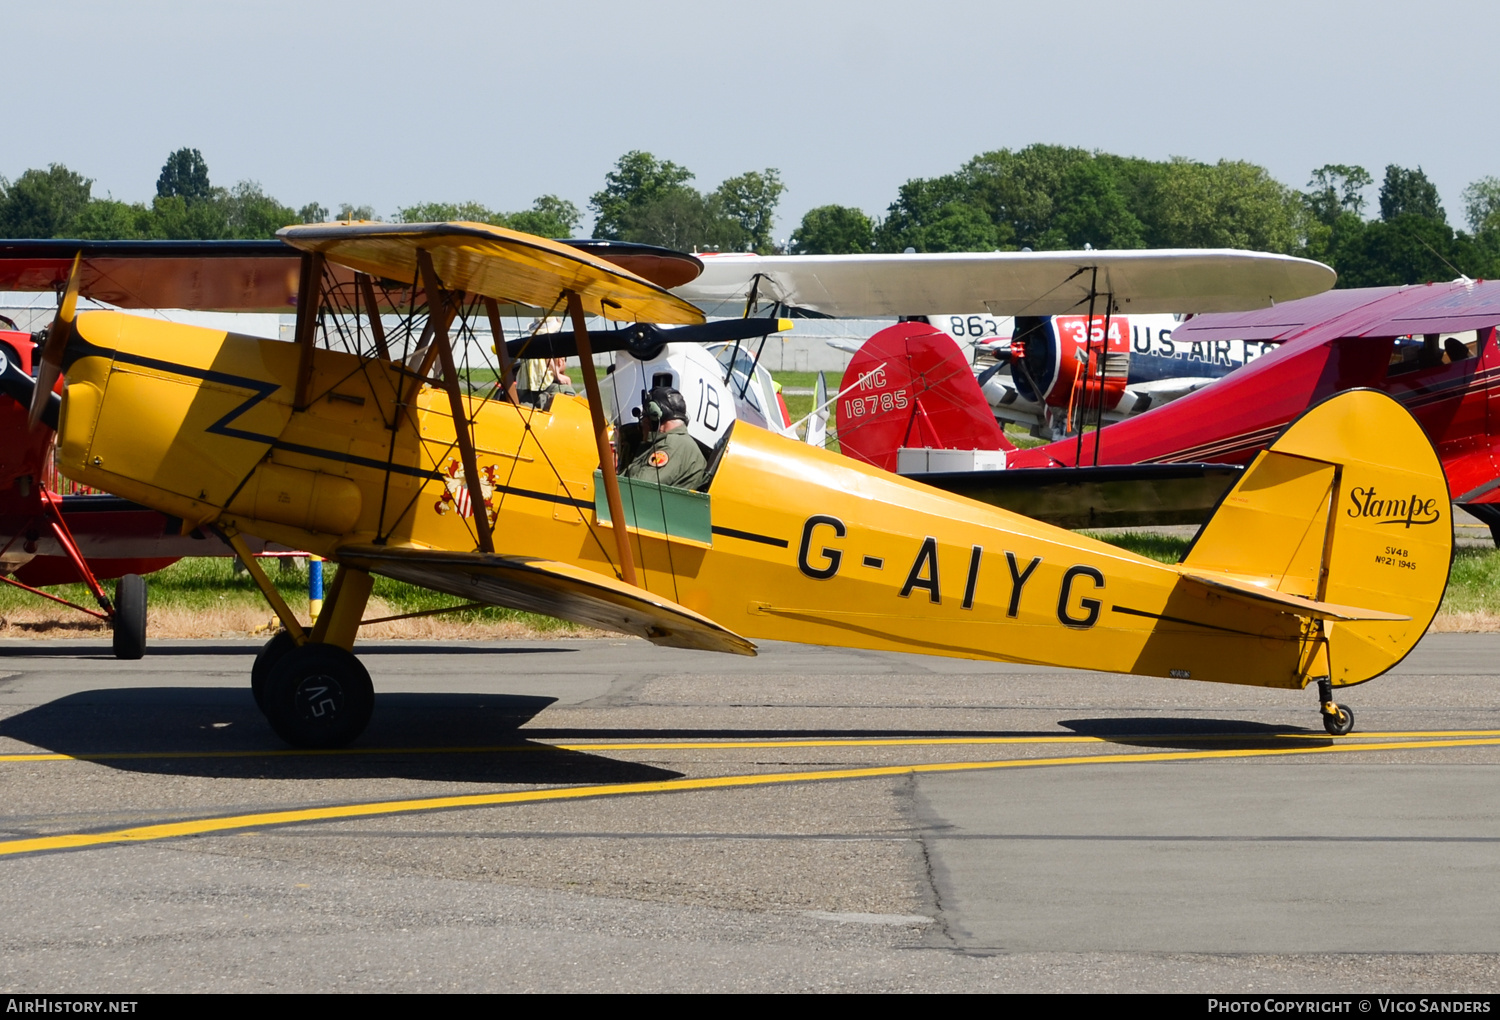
(542, 379)
(670, 456)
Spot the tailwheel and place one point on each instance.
(269, 654)
(1337, 719)
(318, 696)
(129, 618)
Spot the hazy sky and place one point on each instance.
(389, 104)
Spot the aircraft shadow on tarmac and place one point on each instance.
(1195, 733)
(105, 651)
(183, 723)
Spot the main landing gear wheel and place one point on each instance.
(1341, 723)
(270, 654)
(318, 696)
(130, 617)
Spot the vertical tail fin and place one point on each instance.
(910, 385)
(1349, 507)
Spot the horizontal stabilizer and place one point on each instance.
(1295, 604)
(552, 589)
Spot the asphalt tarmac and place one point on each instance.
(603, 815)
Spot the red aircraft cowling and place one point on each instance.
(31, 549)
(908, 386)
(1064, 362)
(1337, 341)
(23, 450)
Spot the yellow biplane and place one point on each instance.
(1324, 564)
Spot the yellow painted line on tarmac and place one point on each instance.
(229, 823)
(730, 745)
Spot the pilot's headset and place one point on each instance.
(660, 404)
(650, 412)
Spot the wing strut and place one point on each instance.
(601, 438)
(377, 328)
(463, 428)
(507, 368)
(309, 301)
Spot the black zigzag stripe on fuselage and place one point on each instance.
(261, 389)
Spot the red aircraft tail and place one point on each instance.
(910, 386)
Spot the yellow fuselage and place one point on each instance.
(807, 545)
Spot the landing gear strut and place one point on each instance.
(1338, 720)
(309, 685)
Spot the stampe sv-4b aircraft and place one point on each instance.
(377, 457)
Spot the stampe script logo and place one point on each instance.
(1405, 511)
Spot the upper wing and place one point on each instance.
(1009, 283)
(222, 276)
(550, 588)
(250, 276)
(1365, 311)
(494, 262)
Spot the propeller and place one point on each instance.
(58, 335)
(643, 340)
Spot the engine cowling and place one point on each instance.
(1067, 363)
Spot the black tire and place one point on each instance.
(318, 696)
(269, 654)
(1341, 724)
(130, 617)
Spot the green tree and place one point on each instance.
(1336, 189)
(437, 212)
(1229, 204)
(1089, 208)
(184, 176)
(937, 215)
(1018, 190)
(549, 216)
(1409, 249)
(43, 203)
(1409, 193)
(105, 219)
(355, 212)
(750, 200)
(312, 212)
(174, 219)
(250, 213)
(833, 230)
(1482, 205)
(638, 179)
(674, 217)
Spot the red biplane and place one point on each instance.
(44, 535)
(48, 537)
(1432, 347)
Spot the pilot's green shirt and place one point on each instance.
(671, 458)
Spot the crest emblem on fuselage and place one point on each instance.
(456, 496)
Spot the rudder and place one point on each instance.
(1349, 506)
